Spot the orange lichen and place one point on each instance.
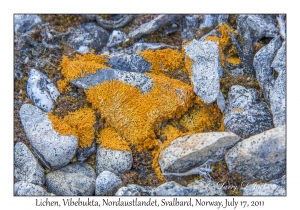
(79, 66)
(224, 41)
(79, 123)
(110, 139)
(136, 116)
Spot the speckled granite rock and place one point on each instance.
(26, 167)
(134, 190)
(107, 183)
(130, 63)
(56, 150)
(115, 161)
(206, 69)
(115, 39)
(139, 80)
(263, 190)
(141, 46)
(187, 152)
(41, 90)
(280, 182)
(208, 21)
(23, 188)
(84, 153)
(260, 157)
(73, 180)
(245, 114)
(190, 23)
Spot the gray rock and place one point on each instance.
(190, 23)
(115, 161)
(280, 182)
(107, 183)
(117, 21)
(141, 46)
(130, 63)
(206, 69)
(208, 21)
(56, 150)
(83, 49)
(251, 28)
(281, 25)
(245, 115)
(171, 29)
(153, 25)
(262, 64)
(73, 180)
(23, 188)
(24, 23)
(139, 80)
(187, 152)
(88, 34)
(237, 72)
(116, 39)
(41, 90)
(221, 102)
(84, 153)
(278, 91)
(263, 190)
(134, 190)
(222, 19)
(26, 167)
(260, 157)
(170, 189)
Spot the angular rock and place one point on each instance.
(190, 23)
(77, 179)
(141, 46)
(55, 149)
(115, 161)
(263, 190)
(262, 64)
(130, 63)
(134, 190)
(24, 23)
(245, 114)
(280, 182)
(208, 21)
(26, 167)
(116, 39)
(139, 80)
(278, 91)
(260, 157)
(24, 188)
(107, 183)
(88, 34)
(41, 90)
(251, 28)
(221, 102)
(153, 25)
(281, 25)
(206, 69)
(187, 152)
(84, 153)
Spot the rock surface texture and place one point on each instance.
(56, 150)
(260, 157)
(73, 180)
(263, 190)
(23, 188)
(134, 190)
(107, 183)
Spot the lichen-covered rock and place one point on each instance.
(260, 157)
(73, 180)
(280, 182)
(245, 114)
(26, 167)
(262, 64)
(134, 190)
(56, 150)
(24, 188)
(139, 80)
(190, 23)
(278, 91)
(115, 161)
(187, 152)
(141, 46)
(206, 69)
(153, 25)
(251, 28)
(107, 183)
(24, 23)
(130, 63)
(263, 190)
(90, 35)
(208, 21)
(41, 90)
(84, 153)
(116, 39)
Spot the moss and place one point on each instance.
(110, 139)
(78, 67)
(79, 123)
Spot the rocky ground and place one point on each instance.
(149, 105)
